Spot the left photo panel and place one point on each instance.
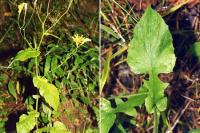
(49, 66)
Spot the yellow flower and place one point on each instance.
(80, 40)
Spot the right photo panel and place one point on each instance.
(150, 66)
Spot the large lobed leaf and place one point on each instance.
(151, 48)
(27, 122)
(151, 52)
(156, 94)
(48, 91)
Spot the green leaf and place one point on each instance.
(27, 122)
(195, 49)
(54, 64)
(108, 116)
(31, 63)
(106, 70)
(11, 89)
(59, 127)
(26, 54)
(129, 111)
(195, 131)
(151, 52)
(119, 128)
(47, 65)
(3, 78)
(156, 91)
(151, 48)
(48, 91)
(91, 130)
(49, 34)
(109, 31)
(85, 100)
(133, 101)
(59, 72)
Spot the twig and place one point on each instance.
(173, 9)
(178, 118)
(188, 98)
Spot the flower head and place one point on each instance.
(80, 40)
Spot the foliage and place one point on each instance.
(108, 116)
(153, 39)
(59, 127)
(11, 89)
(194, 131)
(60, 62)
(106, 70)
(151, 44)
(27, 122)
(23, 55)
(48, 91)
(108, 113)
(194, 50)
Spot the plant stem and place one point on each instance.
(70, 3)
(156, 120)
(37, 100)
